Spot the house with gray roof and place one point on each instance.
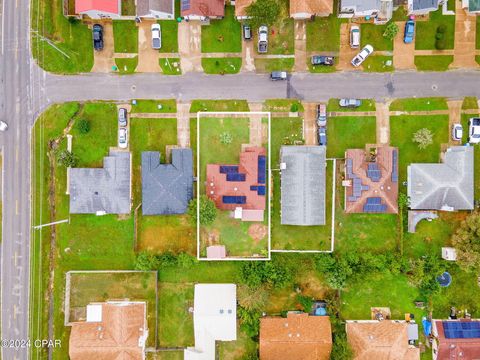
(303, 185)
(444, 186)
(423, 7)
(167, 188)
(156, 9)
(473, 6)
(104, 190)
(380, 10)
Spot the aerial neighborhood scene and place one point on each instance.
(240, 180)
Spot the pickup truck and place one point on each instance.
(262, 39)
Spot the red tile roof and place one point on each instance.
(462, 349)
(207, 8)
(109, 6)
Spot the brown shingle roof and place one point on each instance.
(297, 337)
(452, 348)
(116, 337)
(312, 7)
(208, 8)
(380, 340)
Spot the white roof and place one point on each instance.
(94, 313)
(214, 319)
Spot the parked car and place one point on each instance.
(350, 103)
(262, 39)
(278, 75)
(457, 132)
(474, 130)
(3, 126)
(362, 55)
(156, 36)
(122, 117)
(322, 135)
(321, 115)
(97, 31)
(323, 60)
(355, 36)
(247, 32)
(409, 32)
(122, 138)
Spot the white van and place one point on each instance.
(354, 36)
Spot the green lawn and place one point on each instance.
(219, 105)
(281, 37)
(426, 30)
(69, 47)
(321, 68)
(419, 104)
(349, 132)
(367, 105)
(373, 34)
(169, 36)
(126, 66)
(477, 38)
(221, 65)
(170, 66)
(268, 65)
(433, 62)
(152, 106)
(125, 35)
(222, 35)
(378, 63)
(470, 102)
(281, 105)
(323, 34)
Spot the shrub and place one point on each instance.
(256, 273)
(391, 31)
(440, 44)
(423, 138)
(294, 108)
(441, 28)
(83, 126)
(306, 302)
(145, 262)
(67, 158)
(226, 138)
(249, 321)
(439, 36)
(208, 211)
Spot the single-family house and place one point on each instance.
(382, 340)
(444, 186)
(302, 185)
(240, 188)
(104, 190)
(99, 9)
(456, 339)
(202, 9)
(167, 188)
(423, 7)
(306, 9)
(112, 330)
(379, 10)
(214, 319)
(371, 180)
(299, 336)
(156, 9)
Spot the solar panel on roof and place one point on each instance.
(234, 199)
(228, 169)
(261, 190)
(235, 177)
(254, 187)
(461, 330)
(394, 166)
(262, 161)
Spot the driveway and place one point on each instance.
(189, 46)
(382, 115)
(309, 125)
(183, 124)
(104, 60)
(403, 54)
(300, 45)
(464, 46)
(147, 57)
(248, 51)
(454, 117)
(346, 52)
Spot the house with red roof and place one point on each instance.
(456, 339)
(99, 9)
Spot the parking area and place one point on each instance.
(103, 61)
(403, 54)
(147, 57)
(346, 52)
(189, 46)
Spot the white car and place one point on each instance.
(362, 55)
(122, 138)
(3, 126)
(474, 130)
(355, 36)
(457, 132)
(156, 36)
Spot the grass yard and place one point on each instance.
(281, 37)
(126, 66)
(170, 66)
(477, 38)
(433, 62)
(238, 349)
(378, 63)
(477, 58)
(152, 106)
(125, 35)
(323, 34)
(373, 34)
(419, 104)
(268, 65)
(223, 35)
(402, 129)
(425, 31)
(169, 36)
(320, 68)
(73, 38)
(222, 65)
(400, 14)
(470, 102)
(349, 132)
(367, 105)
(281, 105)
(219, 105)
(165, 355)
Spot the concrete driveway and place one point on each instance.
(189, 46)
(464, 46)
(104, 60)
(346, 52)
(300, 45)
(147, 57)
(248, 51)
(309, 124)
(403, 54)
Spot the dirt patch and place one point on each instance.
(147, 57)
(312, 286)
(309, 125)
(213, 237)
(257, 231)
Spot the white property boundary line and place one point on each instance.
(236, 113)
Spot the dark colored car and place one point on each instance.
(278, 75)
(97, 37)
(247, 32)
(322, 136)
(409, 32)
(323, 60)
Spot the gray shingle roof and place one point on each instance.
(167, 188)
(303, 185)
(445, 185)
(149, 7)
(361, 5)
(424, 4)
(102, 189)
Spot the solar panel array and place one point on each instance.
(228, 169)
(260, 189)
(262, 163)
(374, 205)
(373, 172)
(357, 182)
(461, 329)
(394, 166)
(235, 177)
(234, 199)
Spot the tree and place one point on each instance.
(271, 273)
(423, 138)
(226, 138)
(341, 349)
(186, 261)
(294, 107)
(208, 211)
(466, 241)
(391, 31)
(263, 12)
(249, 321)
(83, 126)
(67, 158)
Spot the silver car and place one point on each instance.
(350, 103)
(122, 117)
(122, 138)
